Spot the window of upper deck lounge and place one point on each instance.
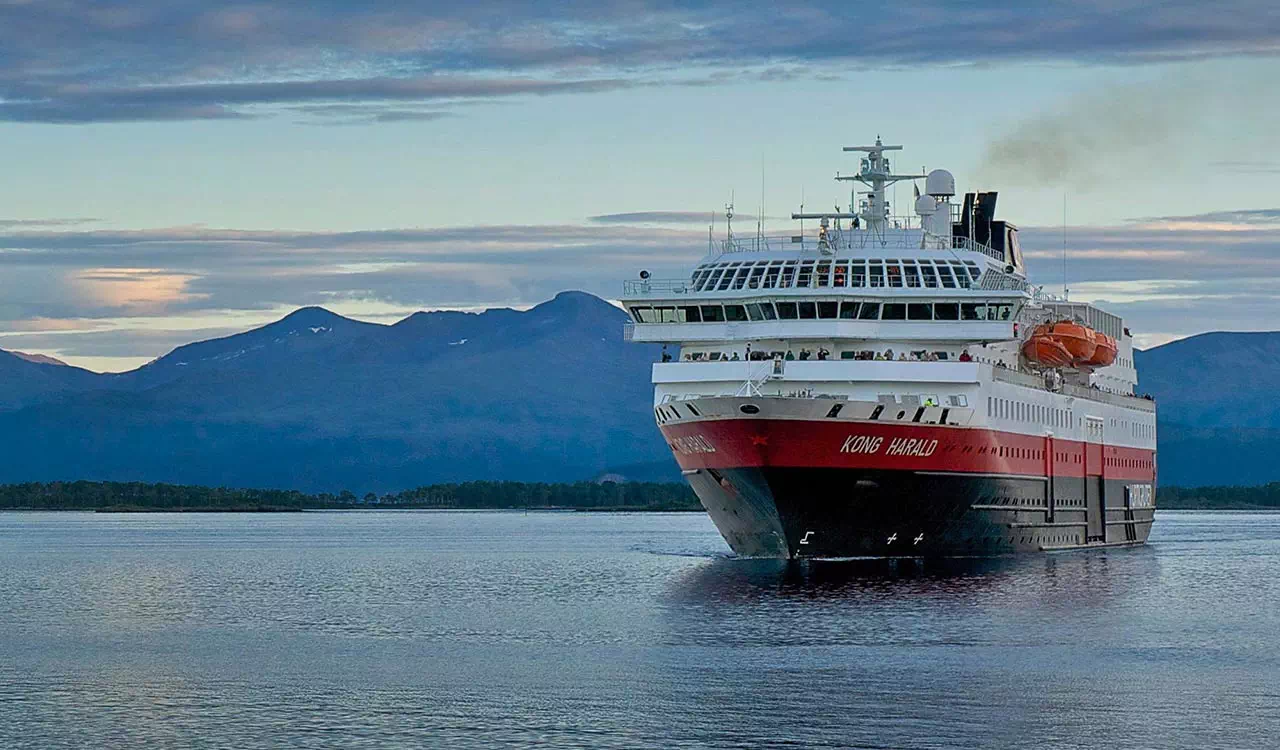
(727, 277)
(768, 310)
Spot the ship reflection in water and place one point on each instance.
(726, 580)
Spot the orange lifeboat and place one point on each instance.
(1106, 352)
(1046, 350)
(1080, 341)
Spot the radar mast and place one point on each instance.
(877, 175)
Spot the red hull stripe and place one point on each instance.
(734, 443)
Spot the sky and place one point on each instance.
(177, 170)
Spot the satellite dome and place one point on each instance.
(940, 183)
(926, 205)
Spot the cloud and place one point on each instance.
(44, 223)
(216, 101)
(77, 61)
(667, 217)
(1245, 219)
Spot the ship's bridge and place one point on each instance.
(826, 288)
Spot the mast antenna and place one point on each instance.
(760, 218)
(1065, 292)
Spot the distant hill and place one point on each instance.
(319, 403)
(1218, 411)
(1215, 379)
(25, 381)
(42, 359)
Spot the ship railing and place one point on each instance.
(628, 331)
(964, 243)
(648, 287)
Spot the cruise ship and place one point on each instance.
(894, 385)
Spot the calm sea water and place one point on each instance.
(460, 630)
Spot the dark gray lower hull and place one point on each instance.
(821, 512)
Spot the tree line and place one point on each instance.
(1261, 497)
(140, 496)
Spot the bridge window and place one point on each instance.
(712, 314)
(827, 310)
(869, 311)
(808, 311)
(644, 315)
(849, 310)
(735, 313)
(787, 311)
(973, 311)
(919, 311)
(894, 311)
(691, 313)
(946, 311)
(667, 315)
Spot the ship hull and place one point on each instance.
(812, 501)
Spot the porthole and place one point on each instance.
(749, 409)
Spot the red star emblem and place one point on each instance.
(759, 440)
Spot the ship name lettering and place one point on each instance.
(862, 444)
(911, 447)
(692, 444)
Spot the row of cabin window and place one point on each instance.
(1136, 429)
(826, 310)
(1003, 408)
(875, 273)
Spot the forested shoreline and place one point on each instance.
(590, 496)
(146, 497)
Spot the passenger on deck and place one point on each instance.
(964, 356)
(902, 357)
(790, 356)
(734, 358)
(805, 354)
(888, 354)
(666, 355)
(879, 357)
(823, 353)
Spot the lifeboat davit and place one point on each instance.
(1044, 349)
(1106, 352)
(1080, 341)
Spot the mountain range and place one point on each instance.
(319, 402)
